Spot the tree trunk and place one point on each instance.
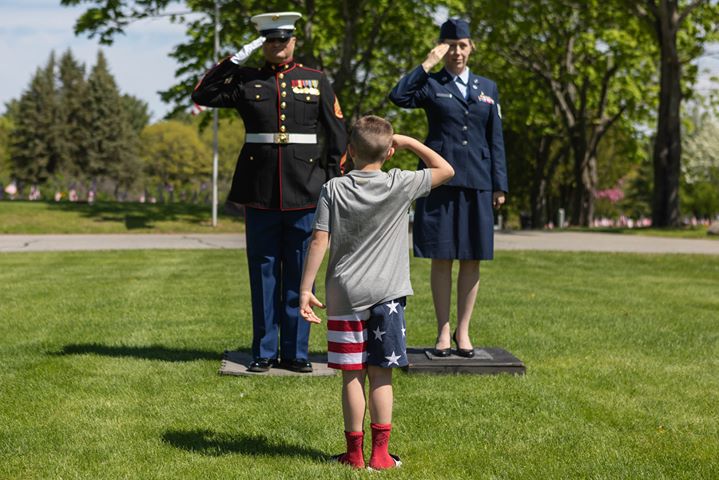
(585, 180)
(308, 47)
(667, 145)
(538, 200)
(545, 167)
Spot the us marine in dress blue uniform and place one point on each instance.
(456, 221)
(278, 177)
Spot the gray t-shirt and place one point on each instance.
(366, 214)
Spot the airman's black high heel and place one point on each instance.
(462, 352)
(441, 352)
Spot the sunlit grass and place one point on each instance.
(113, 217)
(109, 370)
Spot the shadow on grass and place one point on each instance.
(152, 352)
(207, 442)
(142, 215)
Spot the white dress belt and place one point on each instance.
(280, 138)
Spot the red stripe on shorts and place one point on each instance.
(346, 347)
(346, 366)
(346, 325)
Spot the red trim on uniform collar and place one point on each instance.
(280, 67)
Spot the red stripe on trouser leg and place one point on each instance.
(354, 455)
(380, 459)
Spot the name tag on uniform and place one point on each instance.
(444, 95)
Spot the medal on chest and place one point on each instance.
(485, 98)
(306, 87)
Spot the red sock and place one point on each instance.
(380, 458)
(354, 455)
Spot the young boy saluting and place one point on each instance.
(366, 215)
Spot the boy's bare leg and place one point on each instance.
(441, 282)
(467, 288)
(380, 394)
(353, 399)
(353, 408)
(380, 408)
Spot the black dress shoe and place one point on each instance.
(260, 365)
(462, 352)
(299, 365)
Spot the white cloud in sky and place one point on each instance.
(139, 61)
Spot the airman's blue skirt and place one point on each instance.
(454, 223)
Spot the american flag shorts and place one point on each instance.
(376, 336)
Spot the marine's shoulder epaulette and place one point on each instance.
(299, 65)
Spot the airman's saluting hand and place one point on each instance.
(435, 56)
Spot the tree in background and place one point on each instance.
(231, 136)
(173, 154)
(536, 148)
(69, 128)
(112, 153)
(5, 164)
(587, 58)
(700, 168)
(680, 29)
(35, 151)
(76, 135)
(137, 111)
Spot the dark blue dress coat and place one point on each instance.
(466, 132)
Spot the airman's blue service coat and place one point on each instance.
(467, 132)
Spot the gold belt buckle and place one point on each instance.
(282, 138)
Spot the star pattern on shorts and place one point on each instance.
(393, 359)
(392, 307)
(378, 333)
(404, 330)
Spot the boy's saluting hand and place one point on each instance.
(442, 171)
(400, 142)
(307, 302)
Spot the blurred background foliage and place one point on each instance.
(581, 82)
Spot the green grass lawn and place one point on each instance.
(113, 217)
(109, 370)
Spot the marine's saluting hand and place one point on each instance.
(245, 52)
(435, 56)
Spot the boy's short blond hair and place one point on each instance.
(371, 138)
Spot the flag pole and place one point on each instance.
(215, 122)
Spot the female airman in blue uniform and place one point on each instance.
(456, 221)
